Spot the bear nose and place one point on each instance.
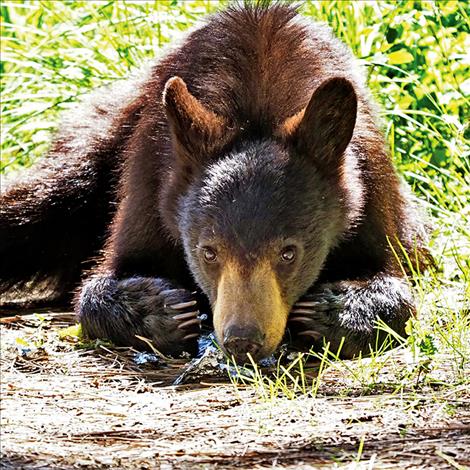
(240, 342)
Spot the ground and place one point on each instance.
(65, 406)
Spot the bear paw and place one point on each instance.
(176, 327)
(315, 317)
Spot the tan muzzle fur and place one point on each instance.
(251, 299)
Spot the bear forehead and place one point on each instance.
(261, 169)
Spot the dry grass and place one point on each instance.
(65, 407)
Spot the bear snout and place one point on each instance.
(249, 313)
(243, 341)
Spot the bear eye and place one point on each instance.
(288, 254)
(210, 255)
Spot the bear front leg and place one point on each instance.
(121, 310)
(350, 309)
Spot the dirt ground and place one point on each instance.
(63, 407)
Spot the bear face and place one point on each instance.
(253, 241)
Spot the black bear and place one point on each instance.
(247, 167)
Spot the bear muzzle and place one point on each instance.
(250, 314)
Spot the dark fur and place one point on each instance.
(292, 167)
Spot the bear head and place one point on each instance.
(258, 214)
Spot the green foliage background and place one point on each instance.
(415, 54)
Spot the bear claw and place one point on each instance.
(307, 303)
(314, 334)
(185, 324)
(182, 308)
(182, 305)
(300, 319)
(304, 311)
(185, 316)
(191, 336)
(306, 317)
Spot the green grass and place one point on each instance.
(416, 58)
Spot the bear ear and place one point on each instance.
(197, 131)
(325, 127)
